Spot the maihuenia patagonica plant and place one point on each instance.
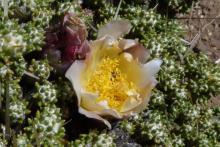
(178, 113)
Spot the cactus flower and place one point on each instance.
(114, 81)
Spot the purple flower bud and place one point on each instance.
(66, 42)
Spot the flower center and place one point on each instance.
(111, 83)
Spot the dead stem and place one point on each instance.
(31, 75)
(92, 27)
(67, 122)
(155, 7)
(1, 93)
(117, 11)
(37, 138)
(14, 140)
(5, 6)
(198, 35)
(7, 101)
(190, 19)
(196, 38)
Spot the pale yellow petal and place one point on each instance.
(149, 72)
(130, 104)
(127, 43)
(74, 74)
(100, 49)
(145, 93)
(152, 67)
(90, 114)
(137, 50)
(115, 28)
(89, 102)
(109, 112)
(148, 82)
(131, 68)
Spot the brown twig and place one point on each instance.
(31, 75)
(155, 7)
(7, 101)
(37, 138)
(190, 19)
(67, 122)
(199, 18)
(92, 27)
(5, 6)
(117, 11)
(1, 93)
(198, 35)
(14, 140)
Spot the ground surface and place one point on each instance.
(203, 21)
(204, 17)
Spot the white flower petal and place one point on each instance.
(128, 57)
(129, 104)
(104, 104)
(103, 43)
(127, 43)
(137, 50)
(149, 71)
(86, 98)
(145, 95)
(88, 101)
(115, 28)
(109, 112)
(73, 74)
(152, 67)
(90, 114)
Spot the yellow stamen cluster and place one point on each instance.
(110, 83)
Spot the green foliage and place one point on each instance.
(46, 94)
(94, 139)
(171, 7)
(40, 69)
(23, 140)
(11, 38)
(17, 106)
(180, 5)
(47, 127)
(3, 141)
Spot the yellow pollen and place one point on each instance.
(111, 84)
